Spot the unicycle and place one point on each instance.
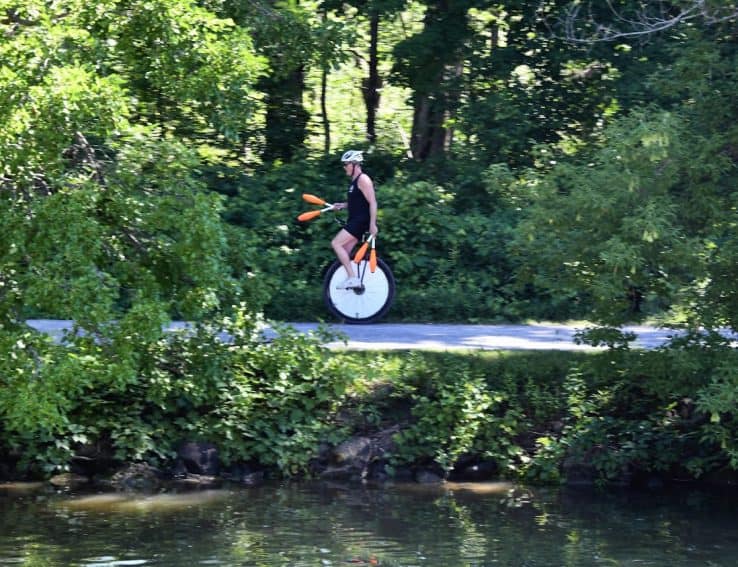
(366, 303)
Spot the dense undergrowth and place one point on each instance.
(536, 416)
(624, 415)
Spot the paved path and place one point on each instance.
(441, 337)
(436, 336)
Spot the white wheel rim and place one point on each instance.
(360, 305)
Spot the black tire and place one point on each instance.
(365, 305)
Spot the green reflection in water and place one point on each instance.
(307, 524)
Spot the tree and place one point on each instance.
(372, 83)
(645, 220)
(604, 227)
(431, 64)
(283, 33)
(101, 200)
(188, 69)
(105, 220)
(375, 11)
(489, 73)
(524, 87)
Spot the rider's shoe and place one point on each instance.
(349, 283)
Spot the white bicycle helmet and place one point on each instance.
(352, 156)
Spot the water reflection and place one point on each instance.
(158, 503)
(322, 524)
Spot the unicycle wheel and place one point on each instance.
(366, 304)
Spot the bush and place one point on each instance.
(141, 392)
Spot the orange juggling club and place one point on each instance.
(359, 256)
(315, 200)
(373, 257)
(310, 215)
(361, 252)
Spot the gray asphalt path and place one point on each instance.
(439, 337)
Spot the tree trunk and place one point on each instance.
(431, 136)
(323, 104)
(373, 83)
(286, 117)
(437, 93)
(324, 112)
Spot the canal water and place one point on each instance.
(315, 524)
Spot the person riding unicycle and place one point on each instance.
(362, 215)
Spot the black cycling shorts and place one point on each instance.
(357, 227)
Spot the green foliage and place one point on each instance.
(274, 255)
(142, 230)
(463, 406)
(471, 234)
(424, 243)
(286, 395)
(620, 245)
(633, 412)
(639, 223)
(142, 392)
(449, 408)
(38, 391)
(551, 417)
(110, 225)
(450, 267)
(99, 196)
(540, 417)
(719, 400)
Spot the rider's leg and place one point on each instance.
(343, 243)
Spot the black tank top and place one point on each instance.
(358, 206)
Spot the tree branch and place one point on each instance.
(653, 17)
(88, 156)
